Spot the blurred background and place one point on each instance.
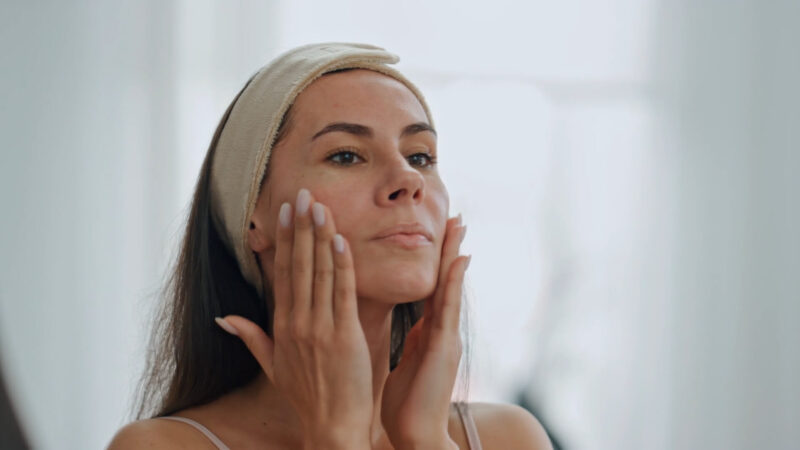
(628, 170)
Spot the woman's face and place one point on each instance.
(358, 141)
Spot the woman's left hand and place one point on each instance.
(415, 407)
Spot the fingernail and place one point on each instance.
(226, 326)
(466, 266)
(303, 201)
(459, 219)
(463, 233)
(318, 211)
(338, 242)
(285, 214)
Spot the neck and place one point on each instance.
(376, 321)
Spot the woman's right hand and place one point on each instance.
(318, 356)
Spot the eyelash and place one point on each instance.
(431, 160)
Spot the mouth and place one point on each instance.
(406, 235)
(406, 240)
(406, 229)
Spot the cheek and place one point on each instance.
(349, 208)
(439, 206)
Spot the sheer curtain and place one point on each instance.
(627, 172)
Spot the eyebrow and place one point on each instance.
(361, 130)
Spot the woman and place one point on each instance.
(319, 231)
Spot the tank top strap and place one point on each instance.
(213, 438)
(463, 412)
(469, 425)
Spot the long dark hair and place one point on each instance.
(190, 360)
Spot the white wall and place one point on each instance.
(107, 111)
(731, 102)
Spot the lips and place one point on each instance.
(406, 231)
(407, 241)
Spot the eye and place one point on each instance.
(344, 157)
(424, 160)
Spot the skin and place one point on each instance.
(387, 183)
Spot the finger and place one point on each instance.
(449, 317)
(448, 231)
(413, 337)
(324, 229)
(345, 309)
(454, 237)
(256, 340)
(282, 278)
(302, 257)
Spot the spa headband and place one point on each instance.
(246, 140)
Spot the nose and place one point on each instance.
(403, 184)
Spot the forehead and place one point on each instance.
(359, 95)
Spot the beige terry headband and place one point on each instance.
(247, 137)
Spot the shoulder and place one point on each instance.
(508, 426)
(158, 433)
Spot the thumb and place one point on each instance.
(256, 340)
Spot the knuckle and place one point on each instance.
(342, 291)
(323, 274)
(452, 274)
(303, 222)
(341, 261)
(279, 327)
(298, 329)
(323, 232)
(282, 270)
(280, 331)
(319, 336)
(300, 268)
(284, 235)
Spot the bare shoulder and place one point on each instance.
(508, 426)
(158, 433)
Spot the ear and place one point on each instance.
(257, 235)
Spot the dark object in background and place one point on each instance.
(524, 401)
(11, 437)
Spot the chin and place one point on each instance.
(396, 286)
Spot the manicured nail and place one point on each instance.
(285, 214)
(303, 201)
(226, 326)
(463, 234)
(318, 211)
(466, 266)
(338, 242)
